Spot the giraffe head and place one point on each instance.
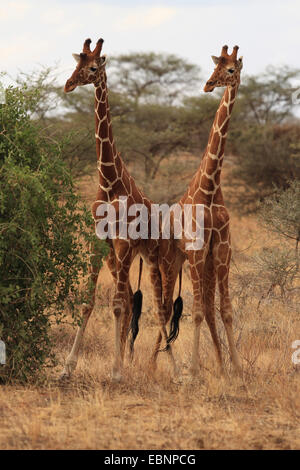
(90, 66)
(227, 71)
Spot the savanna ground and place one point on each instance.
(158, 411)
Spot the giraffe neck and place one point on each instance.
(210, 168)
(105, 146)
(114, 178)
(218, 133)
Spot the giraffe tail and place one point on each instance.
(177, 312)
(136, 310)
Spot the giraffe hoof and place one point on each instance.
(195, 368)
(152, 366)
(67, 372)
(224, 375)
(238, 372)
(195, 371)
(131, 356)
(222, 372)
(64, 376)
(116, 376)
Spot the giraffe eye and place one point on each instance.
(230, 70)
(93, 69)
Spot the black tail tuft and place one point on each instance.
(174, 326)
(136, 313)
(177, 312)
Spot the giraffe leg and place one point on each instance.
(111, 261)
(198, 310)
(209, 306)
(168, 289)
(226, 314)
(156, 351)
(126, 320)
(222, 256)
(155, 276)
(197, 320)
(120, 306)
(72, 359)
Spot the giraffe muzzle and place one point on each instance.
(209, 86)
(70, 86)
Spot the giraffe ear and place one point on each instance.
(240, 61)
(215, 59)
(76, 57)
(102, 59)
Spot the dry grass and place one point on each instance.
(159, 411)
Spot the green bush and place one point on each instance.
(45, 232)
(281, 212)
(278, 266)
(266, 157)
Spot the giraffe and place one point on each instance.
(114, 182)
(210, 264)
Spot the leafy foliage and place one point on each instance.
(45, 231)
(266, 158)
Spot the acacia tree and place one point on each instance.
(266, 98)
(155, 85)
(263, 134)
(153, 78)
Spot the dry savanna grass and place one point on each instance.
(157, 410)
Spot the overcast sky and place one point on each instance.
(34, 32)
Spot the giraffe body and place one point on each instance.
(211, 264)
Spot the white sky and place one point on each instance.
(34, 32)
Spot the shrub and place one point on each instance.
(278, 266)
(44, 235)
(281, 212)
(266, 158)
